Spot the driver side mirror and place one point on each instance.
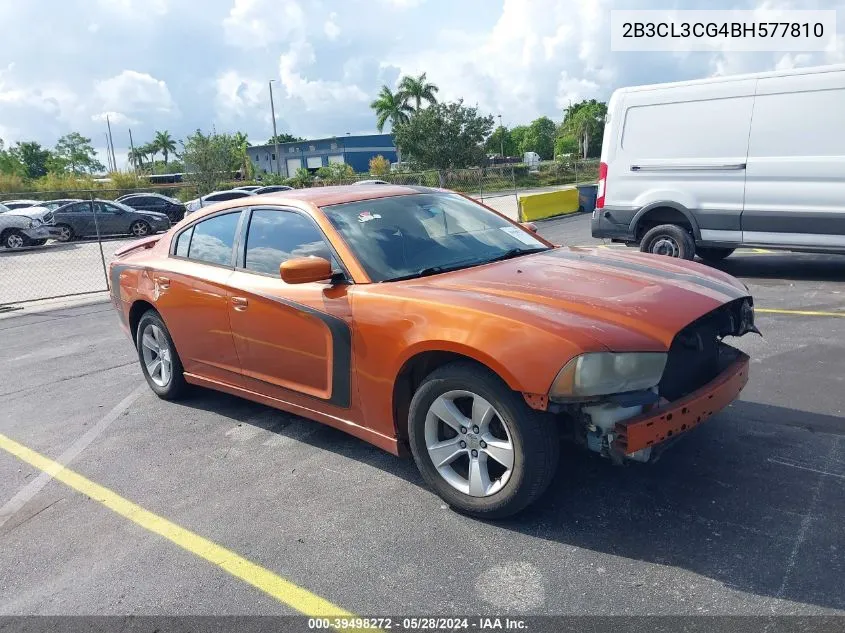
(530, 226)
(304, 270)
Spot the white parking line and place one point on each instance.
(25, 494)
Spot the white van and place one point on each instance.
(702, 167)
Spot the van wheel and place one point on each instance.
(478, 445)
(668, 239)
(713, 254)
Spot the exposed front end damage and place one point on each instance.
(702, 375)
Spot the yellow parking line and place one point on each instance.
(282, 590)
(800, 312)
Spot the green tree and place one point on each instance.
(501, 137)
(33, 157)
(77, 154)
(518, 138)
(241, 145)
(379, 166)
(284, 138)
(390, 106)
(302, 178)
(210, 159)
(566, 144)
(585, 121)
(540, 138)
(336, 172)
(150, 150)
(165, 144)
(10, 165)
(445, 136)
(137, 157)
(417, 89)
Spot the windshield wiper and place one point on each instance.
(435, 270)
(516, 252)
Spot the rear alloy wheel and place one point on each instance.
(140, 228)
(65, 233)
(14, 239)
(713, 254)
(159, 361)
(670, 240)
(477, 443)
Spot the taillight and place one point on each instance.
(602, 188)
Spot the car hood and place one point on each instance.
(36, 213)
(606, 294)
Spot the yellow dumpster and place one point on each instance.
(546, 204)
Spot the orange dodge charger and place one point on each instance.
(418, 319)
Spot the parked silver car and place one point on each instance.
(216, 196)
(31, 226)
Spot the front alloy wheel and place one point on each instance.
(14, 239)
(478, 444)
(468, 443)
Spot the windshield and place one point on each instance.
(407, 236)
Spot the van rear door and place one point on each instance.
(685, 147)
(795, 191)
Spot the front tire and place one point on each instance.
(478, 444)
(670, 240)
(160, 362)
(65, 233)
(14, 239)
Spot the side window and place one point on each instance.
(276, 236)
(183, 242)
(213, 239)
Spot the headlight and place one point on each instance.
(602, 373)
(34, 224)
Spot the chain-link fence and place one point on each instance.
(59, 243)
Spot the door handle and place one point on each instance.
(163, 282)
(240, 303)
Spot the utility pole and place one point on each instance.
(111, 145)
(502, 136)
(275, 135)
(108, 153)
(132, 148)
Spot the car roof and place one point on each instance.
(320, 196)
(246, 192)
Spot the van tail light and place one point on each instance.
(602, 189)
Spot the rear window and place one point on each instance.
(213, 239)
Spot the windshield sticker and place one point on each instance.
(366, 216)
(521, 235)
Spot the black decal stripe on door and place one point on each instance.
(341, 349)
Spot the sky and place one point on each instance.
(179, 65)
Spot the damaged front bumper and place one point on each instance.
(666, 421)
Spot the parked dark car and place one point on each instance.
(157, 202)
(84, 219)
(55, 204)
(272, 189)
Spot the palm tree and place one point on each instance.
(418, 90)
(164, 143)
(241, 143)
(390, 106)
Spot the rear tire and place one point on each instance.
(511, 430)
(670, 240)
(713, 254)
(160, 363)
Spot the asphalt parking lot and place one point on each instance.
(744, 516)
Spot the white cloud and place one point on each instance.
(315, 94)
(135, 92)
(259, 23)
(115, 118)
(238, 96)
(330, 28)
